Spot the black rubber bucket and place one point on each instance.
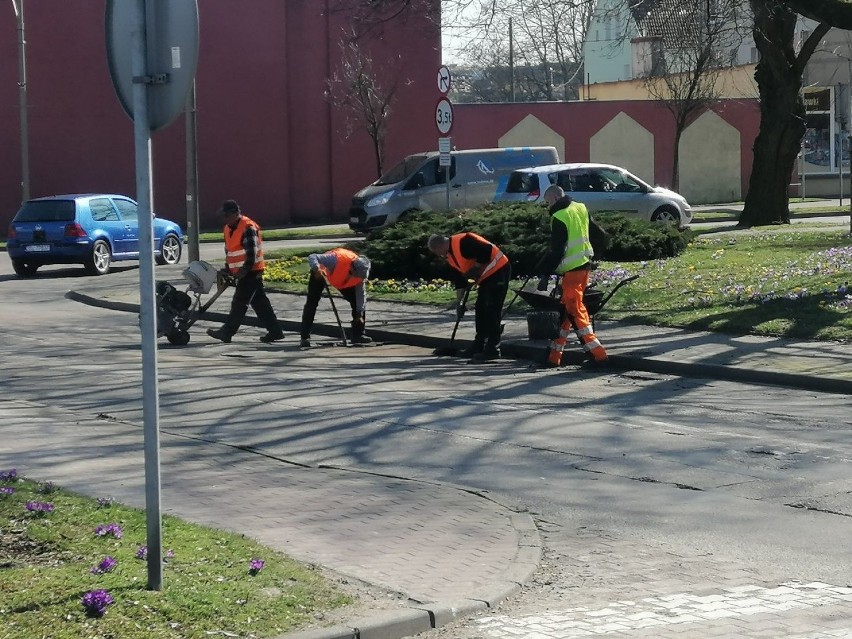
(543, 324)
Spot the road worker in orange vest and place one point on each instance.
(244, 262)
(346, 271)
(473, 258)
(570, 256)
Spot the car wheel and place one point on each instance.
(99, 259)
(170, 251)
(23, 269)
(667, 214)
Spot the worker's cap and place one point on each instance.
(228, 207)
(361, 267)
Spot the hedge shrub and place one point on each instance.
(522, 231)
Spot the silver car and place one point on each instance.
(601, 187)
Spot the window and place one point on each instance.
(47, 211)
(102, 210)
(520, 182)
(128, 210)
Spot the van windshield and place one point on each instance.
(401, 171)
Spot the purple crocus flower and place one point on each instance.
(112, 530)
(255, 566)
(96, 602)
(9, 475)
(142, 552)
(107, 564)
(104, 502)
(7, 490)
(47, 487)
(38, 507)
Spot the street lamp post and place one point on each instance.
(18, 6)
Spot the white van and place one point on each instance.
(418, 183)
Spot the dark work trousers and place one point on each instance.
(315, 290)
(489, 307)
(249, 291)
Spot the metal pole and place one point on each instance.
(18, 6)
(192, 217)
(511, 61)
(147, 315)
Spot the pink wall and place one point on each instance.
(481, 125)
(266, 133)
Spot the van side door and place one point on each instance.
(430, 184)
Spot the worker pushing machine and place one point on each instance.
(570, 256)
(475, 258)
(346, 271)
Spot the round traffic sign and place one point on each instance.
(444, 116)
(444, 80)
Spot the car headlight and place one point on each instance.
(380, 199)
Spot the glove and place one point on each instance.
(543, 283)
(461, 309)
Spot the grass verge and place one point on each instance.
(777, 282)
(214, 583)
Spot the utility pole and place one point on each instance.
(18, 6)
(511, 60)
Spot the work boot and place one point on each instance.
(220, 334)
(305, 342)
(272, 336)
(487, 355)
(358, 336)
(476, 347)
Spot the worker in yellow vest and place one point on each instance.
(473, 258)
(244, 262)
(570, 256)
(346, 271)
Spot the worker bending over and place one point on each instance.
(474, 258)
(346, 271)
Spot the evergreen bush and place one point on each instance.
(521, 230)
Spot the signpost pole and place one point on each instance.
(147, 309)
(18, 6)
(192, 210)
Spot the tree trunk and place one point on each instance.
(676, 158)
(782, 123)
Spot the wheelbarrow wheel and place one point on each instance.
(178, 338)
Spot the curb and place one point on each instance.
(537, 353)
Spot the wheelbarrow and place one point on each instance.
(177, 310)
(546, 318)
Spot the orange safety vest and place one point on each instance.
(341, 277)
(463, 264)
(235, 253)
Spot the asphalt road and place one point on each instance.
(643, 485)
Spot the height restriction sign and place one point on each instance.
(444, 116)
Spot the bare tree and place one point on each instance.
(537, 44)
(689, 43)
(362, 95)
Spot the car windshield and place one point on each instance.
(46, 211)
(401, 171)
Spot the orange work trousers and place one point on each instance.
(576, 319)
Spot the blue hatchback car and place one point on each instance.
(92, 229)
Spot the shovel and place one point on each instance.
(451, 350)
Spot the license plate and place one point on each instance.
(38, 248)
(353, 220)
